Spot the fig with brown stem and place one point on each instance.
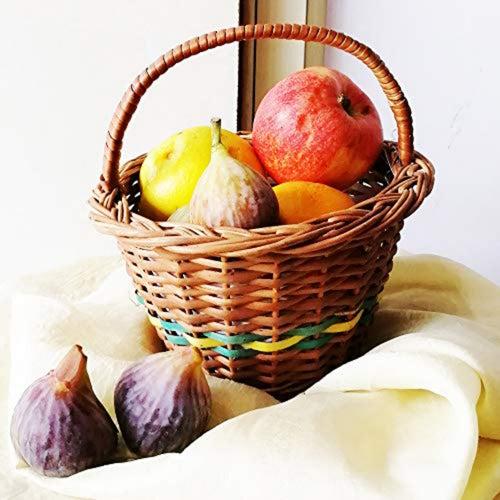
(230, 193)
(182, 214)
(59, 427)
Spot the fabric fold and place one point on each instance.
(418, 416)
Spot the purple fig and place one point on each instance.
(163, 402)
(59, 427)
(230, 193)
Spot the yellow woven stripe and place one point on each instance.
(283, 344)
(202, 343)
(346, 326)
(256, 345)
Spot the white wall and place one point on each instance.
(66, 63)
(445, 56)
(64, 67)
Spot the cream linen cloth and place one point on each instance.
(416, 417)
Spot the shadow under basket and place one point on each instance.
(276, 307)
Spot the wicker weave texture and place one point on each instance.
(269, 281)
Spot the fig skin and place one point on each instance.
(230, 193)
(163, 402)
(59, 427)
(182, 214)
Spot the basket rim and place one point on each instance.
(112, 215)
(412, 182)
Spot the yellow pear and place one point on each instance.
(171, 170)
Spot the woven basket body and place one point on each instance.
(275, 307)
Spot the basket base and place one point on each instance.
(272, 374)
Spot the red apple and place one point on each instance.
(316, 125)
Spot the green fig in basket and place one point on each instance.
(163, 402)
(230, 193)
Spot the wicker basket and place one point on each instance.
(275, 307)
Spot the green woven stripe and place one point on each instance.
(245, 353)
(228, 353)
(313, 343)
(370, 302)
(242, 338)
(366, 319)
(234, 353)
(308, 331)
(176, 339)
(172, 326)
(304, 331)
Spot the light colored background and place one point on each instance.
(65, 65)
(445, 56)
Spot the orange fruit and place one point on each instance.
(301, 200)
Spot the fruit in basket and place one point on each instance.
(171, 170)
(59, 427)
(163, 402)
(182, 214)
(230, 193)
(301, 200)
(317, 125)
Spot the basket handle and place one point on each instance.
(128, 104)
